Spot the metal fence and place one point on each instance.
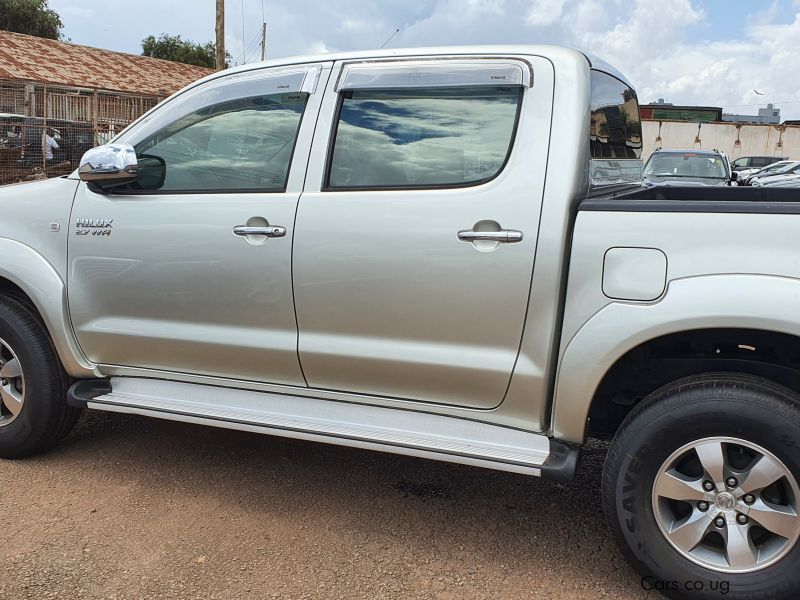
(44, 130)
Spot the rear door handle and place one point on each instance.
(504, 236)
(273, 231)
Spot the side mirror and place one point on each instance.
(109, 165)
(735, 176)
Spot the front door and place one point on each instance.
(189, 269)
(416, 235)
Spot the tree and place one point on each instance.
(32, 17)
(172, 47)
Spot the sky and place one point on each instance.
(695, 52)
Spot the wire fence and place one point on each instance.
(44, 130)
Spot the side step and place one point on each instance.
(401, 431)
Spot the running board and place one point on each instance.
(401, 431)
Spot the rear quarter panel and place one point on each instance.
(723, 270)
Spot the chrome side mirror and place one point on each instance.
(109, 165)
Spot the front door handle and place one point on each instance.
(504, 236)
(273, 231)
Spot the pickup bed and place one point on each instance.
(445, 253)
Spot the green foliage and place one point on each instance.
(172, 47)
(32, 17)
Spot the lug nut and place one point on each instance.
(708, 486)
(741, 519)
(749, 498)
(719, 522)
(732, 482)
(702, 505)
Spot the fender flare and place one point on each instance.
(35, 276)
(763, 302)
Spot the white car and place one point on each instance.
(783, 181)
(770, 177)
(746, 174)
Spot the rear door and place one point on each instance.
(416, 234)
(191, 273)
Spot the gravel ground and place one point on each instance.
(130, 507)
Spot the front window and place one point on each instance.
(686, 164)
(244, 144)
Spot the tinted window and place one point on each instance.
(243, 144)
(422, 137)
(616, 133)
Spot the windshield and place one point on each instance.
(686, 164)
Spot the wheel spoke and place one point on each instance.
(739, 548)
(765, 471)
(712, 458)
(691, 531)
(11, 370)
(671, 484)
(782, 520)
(11, 399)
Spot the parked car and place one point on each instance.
(785, 181)
(776, 175)
(753, 163)
(25, 134)
(688, 167)
(428, 252)
(747, 174)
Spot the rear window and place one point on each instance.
(408, 138)
(615, 133)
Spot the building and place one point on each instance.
(766, 116)
(666, 111)
(80, 95)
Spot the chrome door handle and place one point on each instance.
(272, 231)
(504, 236)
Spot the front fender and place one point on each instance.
(32, 273)
(762, 302)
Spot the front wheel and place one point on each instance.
(34, 414)
(701, 488)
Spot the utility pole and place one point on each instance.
(263, 41)
(220, 35)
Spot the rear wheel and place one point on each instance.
(34, 414)
(701, 488)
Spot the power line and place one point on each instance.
(249, 47)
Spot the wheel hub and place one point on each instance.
(725, 501)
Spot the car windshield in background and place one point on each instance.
(785, 168)
(686, 164)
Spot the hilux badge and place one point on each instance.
(93, 226)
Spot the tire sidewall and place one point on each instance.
(40, 375)
(698, 414)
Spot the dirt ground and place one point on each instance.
(130, 507)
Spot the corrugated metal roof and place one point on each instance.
(29, 58)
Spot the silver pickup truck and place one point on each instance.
(444, 253)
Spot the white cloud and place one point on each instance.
(544, 12)
(662, 45)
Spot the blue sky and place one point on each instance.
(713, 52)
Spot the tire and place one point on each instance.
(43, 417)
(752, 420)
